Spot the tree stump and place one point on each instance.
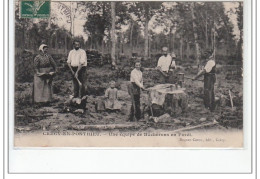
(167, 98)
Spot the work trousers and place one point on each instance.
(209, 96)
(135, 108)
(82, 78)
(167, 79)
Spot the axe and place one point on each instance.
(80, 87)
(192, 78)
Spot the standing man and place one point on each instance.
(77, 62)
(134, 89)
(209, 80)
(173, 64)
(164, 65)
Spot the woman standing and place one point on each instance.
(45, 69)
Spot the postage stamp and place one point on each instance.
(35, 9)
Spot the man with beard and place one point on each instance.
(77, 62)
(164, 65)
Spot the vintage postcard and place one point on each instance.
(128, 74)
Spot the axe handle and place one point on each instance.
(191, 78)
(80, 86)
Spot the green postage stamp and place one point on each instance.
(35, 9)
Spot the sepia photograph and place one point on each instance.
(128, 74)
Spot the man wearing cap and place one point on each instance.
(209, 80)
(165, 62)
(77, 62)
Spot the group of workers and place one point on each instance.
(45, 70)
(165, 65)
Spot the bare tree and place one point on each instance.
(113, 17)
(198, 55)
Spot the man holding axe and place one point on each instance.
(208, 71)
(165, 62)
(77, 62)
(134, 90)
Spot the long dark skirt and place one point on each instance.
(42, 87)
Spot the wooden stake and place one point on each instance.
(231, 100)
(195, 127)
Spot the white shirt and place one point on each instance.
(210, 64)
(77, 57)
(165, 63)
(137, 77)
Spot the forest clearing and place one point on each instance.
(115, 34)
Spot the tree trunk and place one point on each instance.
(122, 43)
(181, 48)
(212, 39)
(188, 50)
(102, 47)
(24, 36)
(136, 43)
(146, 36)
(56, 41)
(91, 43)
(65, 44)
(170, 40)
(149, 47)
(195, 34)
(206, 29)
(214, 42)
(72, 19)
(113, 17)
(172, 43)
(131, 38)
(173, 103)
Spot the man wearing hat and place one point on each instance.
(165, 62)
(208, 71)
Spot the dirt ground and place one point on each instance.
(58, 115)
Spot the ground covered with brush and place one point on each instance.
(58, 115)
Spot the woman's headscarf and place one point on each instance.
(42, 46)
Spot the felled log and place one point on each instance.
(21, 115)
(196, 127)
(104, 126)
